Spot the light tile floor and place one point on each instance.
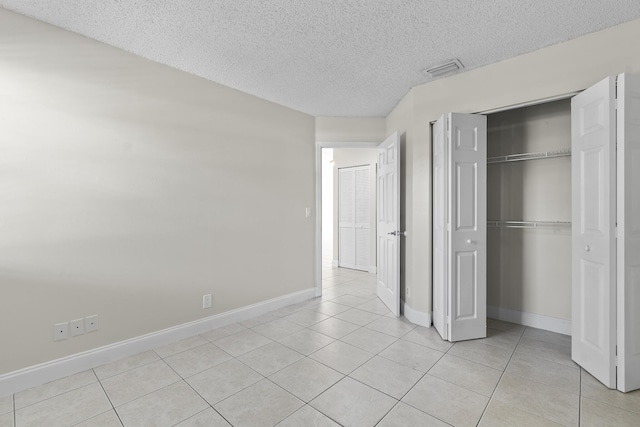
(341, 359)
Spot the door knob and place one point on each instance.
(469, 241)
(587, 248)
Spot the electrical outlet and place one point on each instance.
(91, 323)
(407, 291)
(206, 301)
(77, 327)
(61, 331)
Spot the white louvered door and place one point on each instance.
(354, 217)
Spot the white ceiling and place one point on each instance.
(322, 57)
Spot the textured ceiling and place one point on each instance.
(327, 58)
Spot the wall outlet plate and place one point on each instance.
(76, 327)
(206, 301)
(61, 331)
(91, 323)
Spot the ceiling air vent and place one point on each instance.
(443, 69)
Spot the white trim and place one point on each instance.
(416, 317)
(533, 320)
(373, 269)
(335, 263)
(525, 104)
(22, 379)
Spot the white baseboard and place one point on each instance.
(335, 263)
(373, 269)
(22, 379)
(416, 317)
(539, 321)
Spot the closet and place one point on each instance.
(563, 225)
(529, 215)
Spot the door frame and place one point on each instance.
(319, 146)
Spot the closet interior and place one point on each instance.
(529, 213)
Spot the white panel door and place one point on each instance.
(628, 259)
(593, 176)
(440, 220)
(388, 202)
(467, 230)
(354, 217)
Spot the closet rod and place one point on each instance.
(528, 224)
(530, 156)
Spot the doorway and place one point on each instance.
(331, 279)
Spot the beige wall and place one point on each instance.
(562, 68)
(349, 157)
(350, 129)
(130, 189)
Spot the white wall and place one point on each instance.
(130, 189)
(562, 68)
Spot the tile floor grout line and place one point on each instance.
(484, 411)
(109, 399)
(416, 383)
(580, 399)
(205, 400)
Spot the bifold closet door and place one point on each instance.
(605, 336)
(460, 226)
(593, 176)
(354, 215)
(628, 253)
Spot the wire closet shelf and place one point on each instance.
(529, 224)
(530, 156)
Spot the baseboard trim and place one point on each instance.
(32, 376)
(539, 321)
(335, 263)
(416, 317)
(373, 269)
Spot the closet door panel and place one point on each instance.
(440, 228)
(628, 138)
(593, 231)
(467, 235)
